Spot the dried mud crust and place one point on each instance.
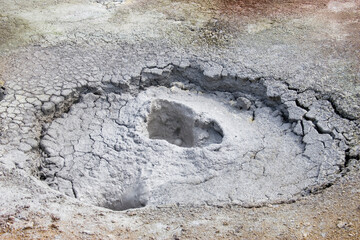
(270, 144)
(309, 48)
(332, 214)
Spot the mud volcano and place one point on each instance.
(180, 135)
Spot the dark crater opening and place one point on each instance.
(181, 126)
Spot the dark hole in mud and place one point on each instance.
(181, 126)
(134, 197)
(2, 92)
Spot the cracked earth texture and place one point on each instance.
(202, 119)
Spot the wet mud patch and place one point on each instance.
(191, 135)
(179, 125)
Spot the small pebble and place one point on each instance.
(341, 224)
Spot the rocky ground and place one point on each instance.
(179, 119)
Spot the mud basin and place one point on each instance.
(185, 143)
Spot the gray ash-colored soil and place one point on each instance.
(103, 150)
(188, 113)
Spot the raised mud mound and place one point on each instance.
(181, 135)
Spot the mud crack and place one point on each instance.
(176, 130)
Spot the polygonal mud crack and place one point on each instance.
(109, 149)
(179, 125)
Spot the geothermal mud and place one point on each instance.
(179, 119)
(190, 136)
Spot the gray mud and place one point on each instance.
(189, 136)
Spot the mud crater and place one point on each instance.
(183, 136)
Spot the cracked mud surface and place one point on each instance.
(102, 152)
(176, 114)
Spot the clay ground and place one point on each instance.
(308, 44)
(330, 214)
